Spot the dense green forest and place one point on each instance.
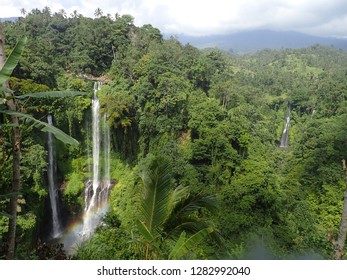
(195, 134)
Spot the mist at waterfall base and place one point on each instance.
(97, 186)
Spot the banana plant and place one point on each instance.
(8, 106)
(7, 96)
(185, 244)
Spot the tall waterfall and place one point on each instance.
(284, 142)
(52, 186)
(97, 189)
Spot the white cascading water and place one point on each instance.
(97, 190)
(284, 142)
(52, 186)
(97, 187)
(107, 151)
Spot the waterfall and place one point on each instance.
(107, 151)
(284, 142)
(52, 186)
(97, 190)
(97, 187)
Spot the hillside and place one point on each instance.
(180, 152)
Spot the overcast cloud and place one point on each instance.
(206, 17)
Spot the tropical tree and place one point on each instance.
(23, 11)
(168, 213)
(98, 12)
(62, 13)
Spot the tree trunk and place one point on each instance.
(11, 105)
(340, 243)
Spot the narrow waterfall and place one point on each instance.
(52, 186)
(284, 142)
(107, 151)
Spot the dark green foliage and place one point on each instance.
(215, 119)
(170, 213)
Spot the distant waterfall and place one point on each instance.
(52, 186)
(284, 142)
(97, 190)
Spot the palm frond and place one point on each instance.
(178, 194)
(195, 202)
(187, 224)
(157, 187)
(181, 214)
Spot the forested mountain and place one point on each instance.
(255, 40)
(196, 164)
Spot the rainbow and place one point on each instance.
(75, 233)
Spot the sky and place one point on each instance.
(208, 17)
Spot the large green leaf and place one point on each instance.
(181, 217)
(184, 245)
(45, 127)
(177, 196)
(53, 94)
(179, 244)
(144, 231)
(157, 188)
(12, 61)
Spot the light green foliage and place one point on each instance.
(74, 188)
(75, 183)
(27, 221)
(215, 118)
(111, 241)
(24, 86)
(27, 224)
(125, 195)
(3, 226)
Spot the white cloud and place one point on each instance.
(203, 17)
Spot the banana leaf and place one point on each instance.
(45, 127)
